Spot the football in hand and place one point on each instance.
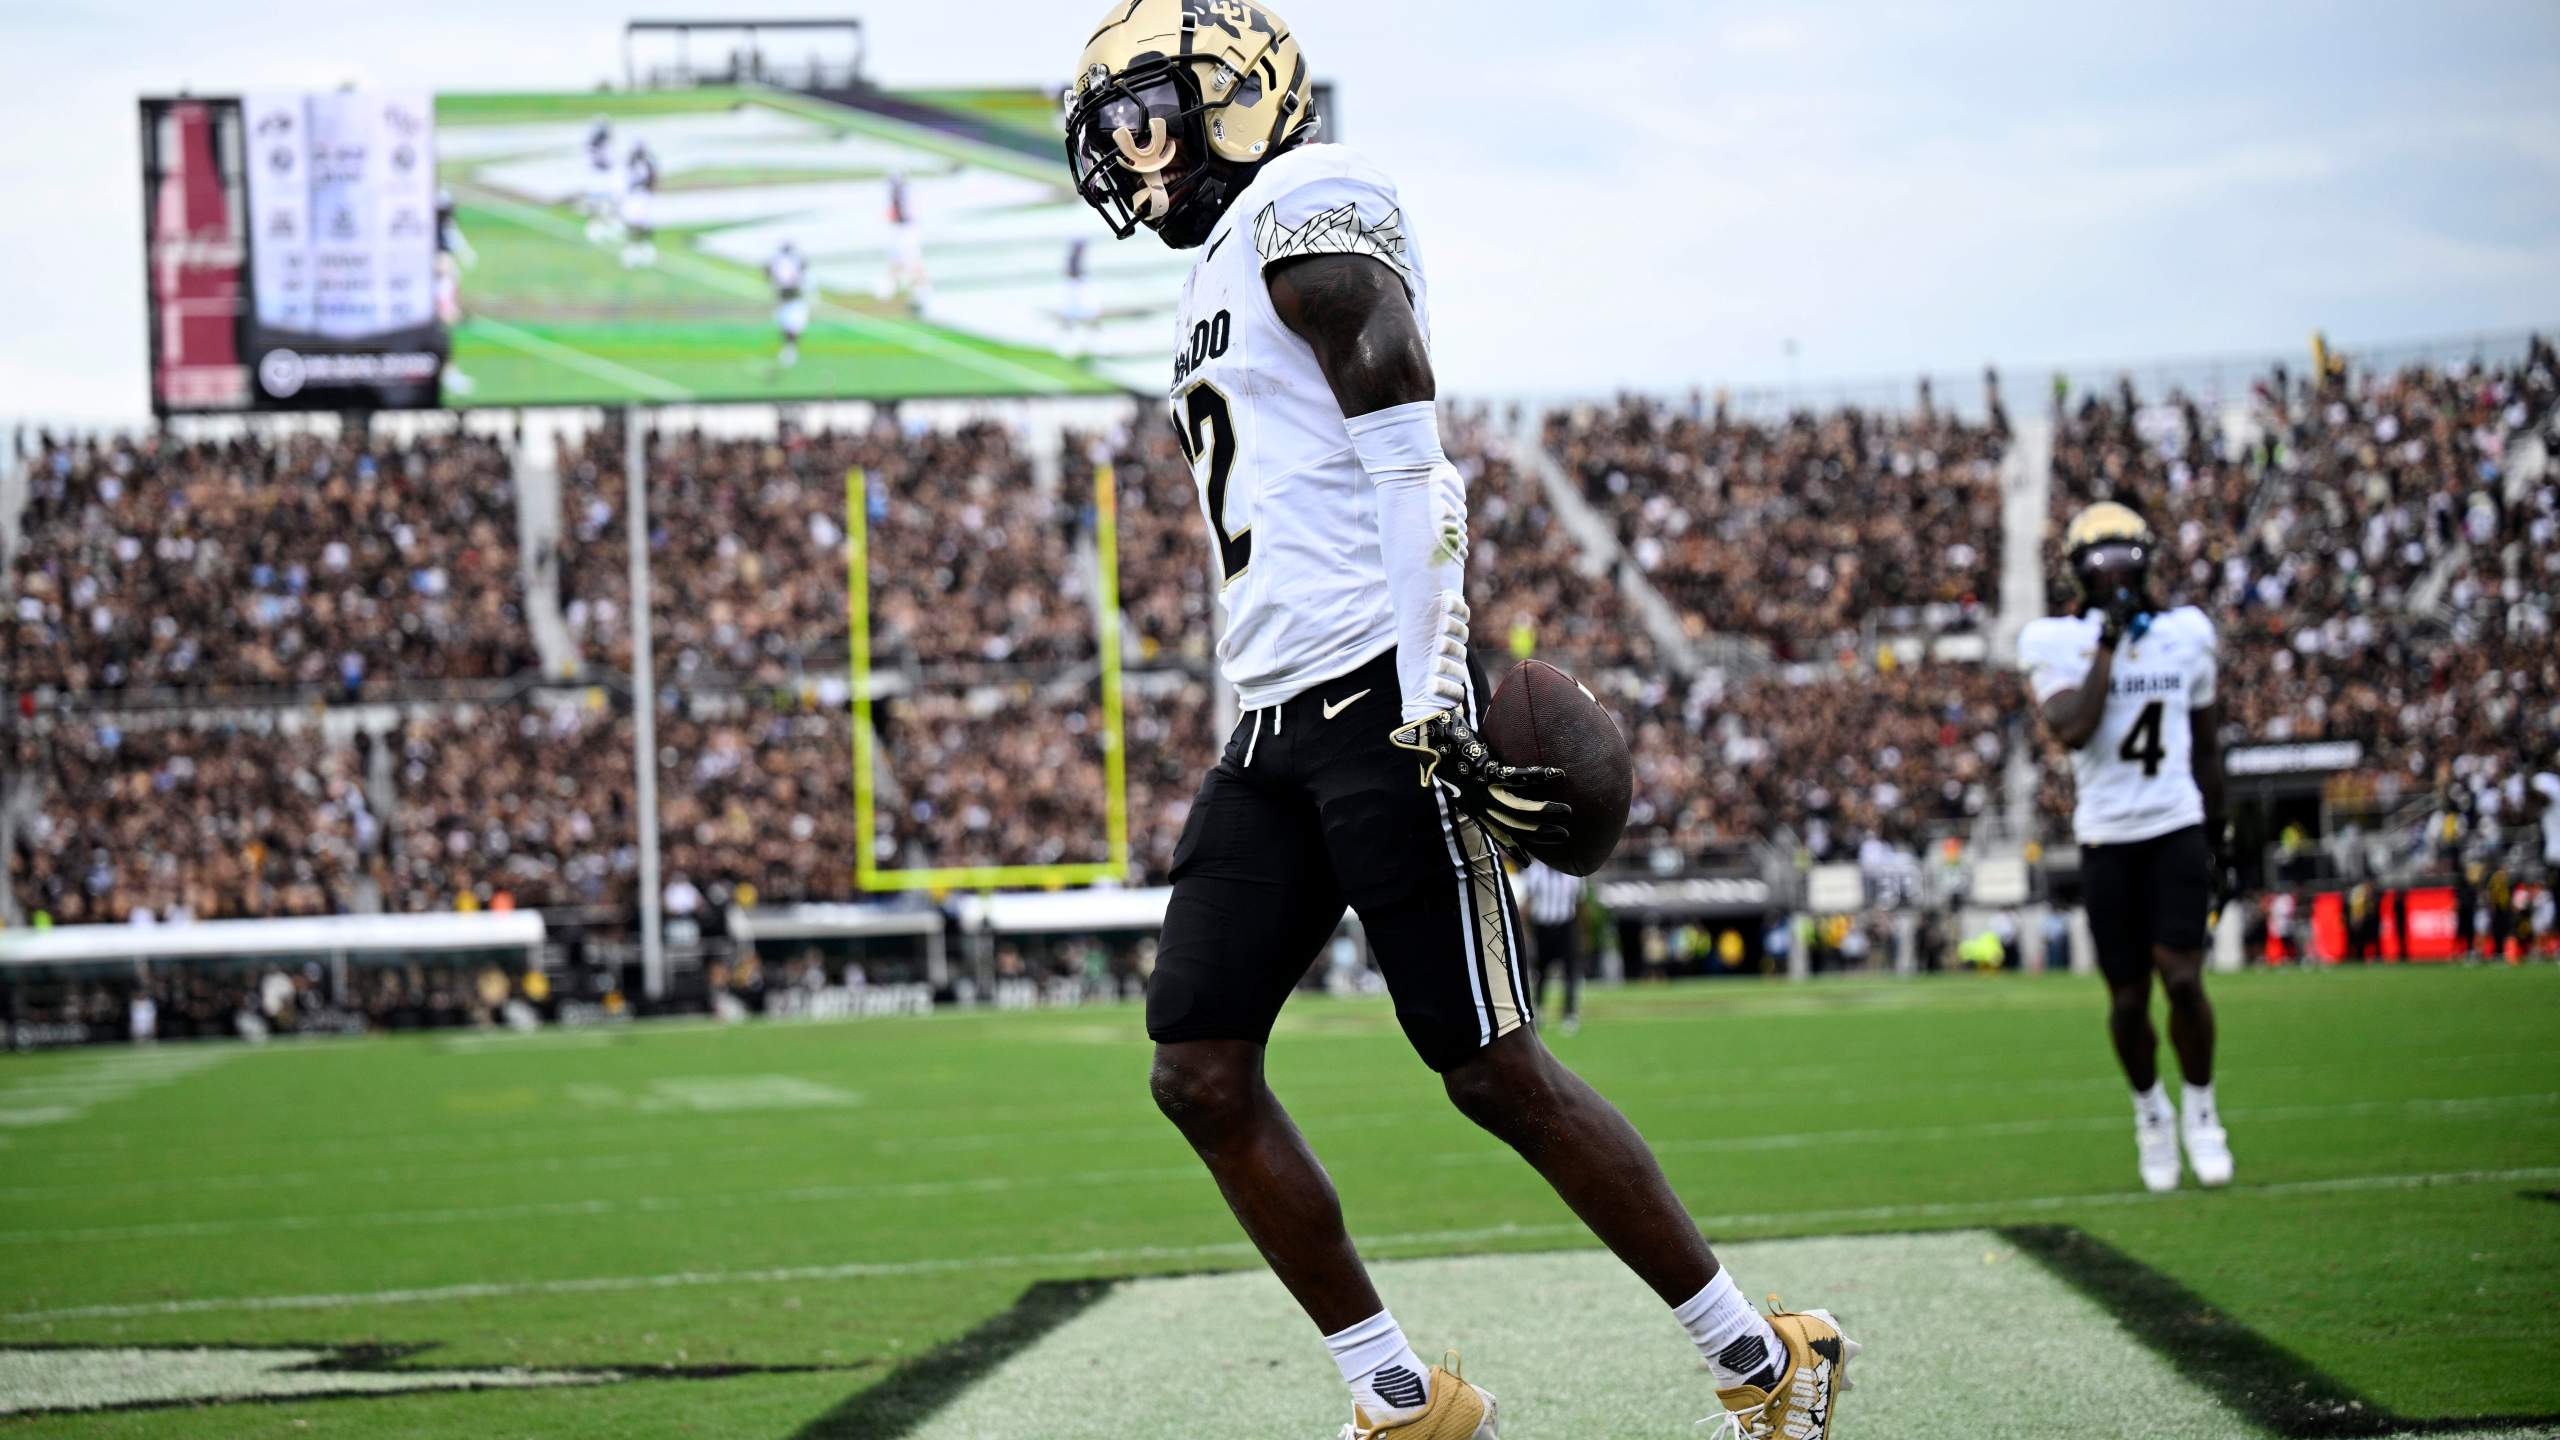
(1539, 715)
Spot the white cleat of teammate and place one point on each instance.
(2208, 1145)
(2155, 1138)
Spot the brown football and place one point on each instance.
(1539, 715)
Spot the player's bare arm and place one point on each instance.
(2205, 762)
(2073, 715)
(1353, 311)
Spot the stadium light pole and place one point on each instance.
(644, 706)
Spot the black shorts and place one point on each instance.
(2145, 894)
(1310, 809)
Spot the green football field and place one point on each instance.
(975, 1227)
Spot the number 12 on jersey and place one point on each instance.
(1206, 428)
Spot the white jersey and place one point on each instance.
(2547, 785)
(1293, 518)
(2135, 776)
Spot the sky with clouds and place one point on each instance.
(1627, 194)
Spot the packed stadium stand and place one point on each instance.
(1839, 760)
(748, 552)
(302, 672)
(507, 805)
(1164, 567)
(1797, 532)
(182, 821)
(330, 567)
(2380, 551)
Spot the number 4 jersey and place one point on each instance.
(1292, 516)
(2134, 777)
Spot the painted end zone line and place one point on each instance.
(1087, 1259)
(595, 365)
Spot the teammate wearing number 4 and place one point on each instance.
(2128, 689)
(1303, 394)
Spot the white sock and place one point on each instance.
(2152, 1106)
(1388, 1381)
(1738, 1345)
(2196, 1104)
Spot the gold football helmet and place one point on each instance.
(1175, 104)
(2108, 549)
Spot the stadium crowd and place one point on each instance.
(2381, 568)
(968, 561)
(1797, 533)
(342, 566)
(1164, 565)
(1840, 761)
(169, 822)
(511, 805)
(2378, 567)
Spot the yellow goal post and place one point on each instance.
(868, 875)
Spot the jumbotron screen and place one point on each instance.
(381, 249)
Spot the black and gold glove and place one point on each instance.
(1456, 757)
(2226, 871)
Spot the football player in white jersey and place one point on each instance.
(2129, 690)
(1302, 391)
(789, 276)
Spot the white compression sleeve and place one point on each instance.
(1422, 537)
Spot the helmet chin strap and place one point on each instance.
(1149, 161)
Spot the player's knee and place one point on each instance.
(1500, 1083)
(2183, 981)
(2129, 1004)
(1200, 1091)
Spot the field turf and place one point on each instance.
(925, 1227)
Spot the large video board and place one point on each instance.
(291, 245)
(372, 250)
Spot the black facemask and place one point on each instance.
(1138, 149)
(2114, 577)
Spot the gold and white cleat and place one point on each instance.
(1458, 1411)
(1799, 1408)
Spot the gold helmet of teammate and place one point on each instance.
(1175, 104)
(2108, 549)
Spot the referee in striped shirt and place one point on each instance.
(1555, 908)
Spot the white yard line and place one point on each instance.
(660, 1159)
(1114, 1259)
(601, 1205)
(70, 1092)
(655, 387)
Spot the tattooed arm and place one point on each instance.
(1353, 310)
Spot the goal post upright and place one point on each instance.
(1115, 730)
(857, 580)
(869, 877)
